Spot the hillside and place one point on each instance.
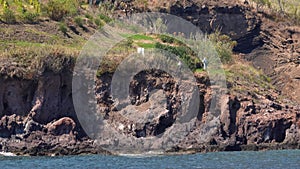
(257, 44)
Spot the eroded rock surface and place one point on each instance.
(37, 116)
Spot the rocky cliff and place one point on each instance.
(38, 116)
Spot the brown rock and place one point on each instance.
(62, 126)
(10, 125)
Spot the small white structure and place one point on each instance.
(141, 51)
(179, 64)
(204, 61)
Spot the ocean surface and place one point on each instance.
(264, 159)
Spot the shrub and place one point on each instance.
(106, 7)
(105, 18)
(223, 45)
(166, 39)
(127, 44)
(71, 6)
(63, 28)
(36, 5)
(29, 17)
(89, 16)
(184, 52)
(58, 9)
(5, 5)
(169, 39)
(8, 16)
(21, 9)
(99, 23)
(262, 3)
(78, 20)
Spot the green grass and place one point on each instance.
(199, 70)
(33, 58)
(248, 79)
(23, 43)
(291, 9)
(105, 18)
(141, 37)
(223, 45)
(127, 46)
(125, 35)
(79, 21)
(169, 39)
(146, 45)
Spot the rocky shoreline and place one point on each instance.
(88, 148)
(267, 124)
(37, 115)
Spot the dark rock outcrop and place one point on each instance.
(243, 123)
(37, 116)
(236, 21)
(62, 126)
(11, 125)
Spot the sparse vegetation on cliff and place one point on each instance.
(224, 46)
(39, 43)
(280, 9)
(85, 19)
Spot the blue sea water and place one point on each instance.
(256, 160)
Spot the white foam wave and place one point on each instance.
(6, 154)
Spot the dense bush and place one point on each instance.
(78, 20)
(106, 7)
(99, 23)
(8, 16)
(223, 45)
(166, 39)
(55, 10)
(36, 4)
(29, 17)
(63, 28)
(184, 52)
(58, 9)
(4, 4)
(105, 18)
(90, 17)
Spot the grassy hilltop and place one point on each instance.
(38, 34)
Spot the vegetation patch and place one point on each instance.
(279, 9)
(141, 37)
(146, 45)
(244, 78)
(30, 62)
(223, 45)
(105, 18)
(8, 16)
(58, 9)
(79, 21)
(63, 28)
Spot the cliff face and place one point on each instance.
(45, 122)
(38, 117)
(236, 21)
(271, 46)
(49, 97)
